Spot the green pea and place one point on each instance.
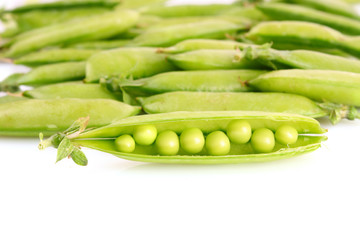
(217, 143)
(263, 140)
(167, 143)
(286, 134)
(239, 131)
(145, 134)
(125, 143)
(192, 140)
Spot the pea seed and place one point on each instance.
(192, 140)
(125, 143)
(239, 131)
(263, 140)
(286, 134)
(145, 134)
(217, 143)
(167, 143)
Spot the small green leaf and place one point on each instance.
(65, 149)
(79, 157)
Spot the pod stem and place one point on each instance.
(62, 141)
(337, 112)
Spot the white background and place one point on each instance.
(315, 196)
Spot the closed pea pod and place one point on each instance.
(54, 56)
(209, 59)
(304, 34)
(303, 59)
(320, 85)
(70, 90)
(283, 11)
(245, 101)
(54, 115)
(206, 81)
(102, 139)
(105, 44)
(127, 62)
(106, 26)
(49, 74)
(167, 36)
(198, 44)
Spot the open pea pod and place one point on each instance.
(103, 139)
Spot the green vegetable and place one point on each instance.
(208, 122)
(125, 143)
(145, 134)
(208, 59)
(192, 140)
(126, 63)
(167, 143)
(217, 144)
(239, 131)
(286, 135)
(30, 117)
(263, 140)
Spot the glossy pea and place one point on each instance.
(209, 59)
(167, 36)
(167, 143)
(286, 135)
(206, 81)
(239, 131)
(125, 143)
(192, 140)
(283, 11)
(263, 140)
(304, 34)
(303, 59)
(54, 115)
(126, 62)
(55, 56)
(105, 26)
(217, 143)
(145, 134)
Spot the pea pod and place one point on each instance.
(209, 59)
(10, 98)
(30, 117)
(126, 62)
(167, 36)
(199, 44)
(185, 10)
(283, 11)
(332, 6)
(303, 59)
(70, 90)
(245, 101)
(64, 4)
(91, 28)
(48, 74)
(304, 34)
(208, 81)
(29, 20)
(320, 85)
(207, 122)
(105, 44)
(55, 56)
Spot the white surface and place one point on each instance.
(315, 196)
